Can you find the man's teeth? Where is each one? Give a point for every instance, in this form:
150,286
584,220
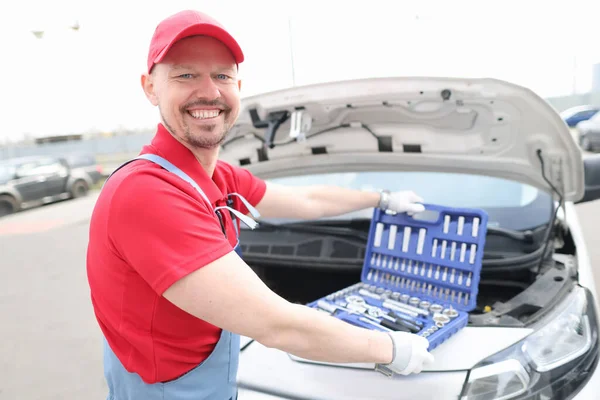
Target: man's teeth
203,114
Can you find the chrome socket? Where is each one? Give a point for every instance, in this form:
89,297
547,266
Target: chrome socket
424,305
450,312
441,318
395,296
414,301
436,308
404,298
439,324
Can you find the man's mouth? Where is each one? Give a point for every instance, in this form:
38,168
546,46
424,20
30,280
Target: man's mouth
204,114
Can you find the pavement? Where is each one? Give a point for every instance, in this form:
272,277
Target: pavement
50,344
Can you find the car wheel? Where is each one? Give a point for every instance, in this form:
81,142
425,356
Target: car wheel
79,189
8,205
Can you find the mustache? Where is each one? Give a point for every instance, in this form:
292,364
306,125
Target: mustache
212,103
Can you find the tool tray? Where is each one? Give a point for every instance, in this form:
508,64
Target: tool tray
420,273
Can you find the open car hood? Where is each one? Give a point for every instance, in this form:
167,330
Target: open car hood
480,126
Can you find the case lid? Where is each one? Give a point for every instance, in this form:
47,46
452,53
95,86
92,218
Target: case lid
435,255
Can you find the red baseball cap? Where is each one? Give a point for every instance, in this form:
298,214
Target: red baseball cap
184,24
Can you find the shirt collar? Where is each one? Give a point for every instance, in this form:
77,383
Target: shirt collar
166,146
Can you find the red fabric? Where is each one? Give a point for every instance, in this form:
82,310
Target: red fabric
150,228
184,24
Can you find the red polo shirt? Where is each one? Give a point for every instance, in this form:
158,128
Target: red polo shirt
148,229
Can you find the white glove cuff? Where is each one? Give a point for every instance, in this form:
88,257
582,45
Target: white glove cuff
402,353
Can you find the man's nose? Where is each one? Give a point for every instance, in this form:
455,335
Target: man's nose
207,88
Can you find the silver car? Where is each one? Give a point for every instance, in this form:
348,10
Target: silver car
479,143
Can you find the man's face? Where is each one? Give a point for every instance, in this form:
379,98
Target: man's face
196,90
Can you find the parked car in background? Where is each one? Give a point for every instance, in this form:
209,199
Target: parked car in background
36,180
588,133
478,143
575,115
86,162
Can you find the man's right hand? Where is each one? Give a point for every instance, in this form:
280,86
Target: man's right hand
410,353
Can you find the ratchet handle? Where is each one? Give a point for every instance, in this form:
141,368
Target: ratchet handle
394,326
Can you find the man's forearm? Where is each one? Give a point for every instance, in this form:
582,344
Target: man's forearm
329,339
328,201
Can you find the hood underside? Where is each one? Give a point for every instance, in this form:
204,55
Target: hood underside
476,126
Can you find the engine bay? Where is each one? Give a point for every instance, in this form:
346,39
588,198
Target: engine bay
305,261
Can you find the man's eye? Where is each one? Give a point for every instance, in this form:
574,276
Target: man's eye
222,76
186,76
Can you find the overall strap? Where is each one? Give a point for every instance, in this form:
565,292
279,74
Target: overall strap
173,169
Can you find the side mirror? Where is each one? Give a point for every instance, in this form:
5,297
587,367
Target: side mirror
591,169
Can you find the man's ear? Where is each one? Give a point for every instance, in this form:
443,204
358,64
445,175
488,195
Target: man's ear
240,85
147,81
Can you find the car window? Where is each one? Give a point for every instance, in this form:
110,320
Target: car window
509,204
7,172
26,169
42,166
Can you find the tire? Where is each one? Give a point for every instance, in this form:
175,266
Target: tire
8,205
79,189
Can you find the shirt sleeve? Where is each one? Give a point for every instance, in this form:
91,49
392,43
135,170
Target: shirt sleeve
251,187
161,230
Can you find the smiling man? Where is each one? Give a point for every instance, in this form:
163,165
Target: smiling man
169,289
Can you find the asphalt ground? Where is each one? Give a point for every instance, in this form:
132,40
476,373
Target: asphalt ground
50,345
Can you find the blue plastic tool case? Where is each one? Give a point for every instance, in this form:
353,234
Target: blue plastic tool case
429,262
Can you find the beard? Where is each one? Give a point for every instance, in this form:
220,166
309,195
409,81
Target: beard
204,137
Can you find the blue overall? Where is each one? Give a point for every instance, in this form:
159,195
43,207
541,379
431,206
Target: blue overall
215,377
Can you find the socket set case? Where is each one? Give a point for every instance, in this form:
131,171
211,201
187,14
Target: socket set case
420,273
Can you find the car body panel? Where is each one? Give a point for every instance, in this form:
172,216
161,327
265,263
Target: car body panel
589,131
462,350
486,126
272,371
584,267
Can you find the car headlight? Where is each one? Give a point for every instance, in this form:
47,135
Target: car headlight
552,363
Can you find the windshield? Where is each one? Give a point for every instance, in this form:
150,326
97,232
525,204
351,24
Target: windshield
509,204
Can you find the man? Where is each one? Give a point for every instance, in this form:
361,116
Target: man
169,289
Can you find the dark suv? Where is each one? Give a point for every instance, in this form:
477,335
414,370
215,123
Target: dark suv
32,181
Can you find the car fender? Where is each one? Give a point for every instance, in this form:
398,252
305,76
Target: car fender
11,191
581,127
584,266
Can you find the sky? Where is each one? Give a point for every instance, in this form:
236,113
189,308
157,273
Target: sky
89,80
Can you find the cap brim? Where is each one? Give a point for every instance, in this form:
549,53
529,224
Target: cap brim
205,30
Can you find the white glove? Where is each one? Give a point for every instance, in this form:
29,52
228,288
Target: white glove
405,201
410,353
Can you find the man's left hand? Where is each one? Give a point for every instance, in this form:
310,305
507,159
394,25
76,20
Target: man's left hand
405,201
